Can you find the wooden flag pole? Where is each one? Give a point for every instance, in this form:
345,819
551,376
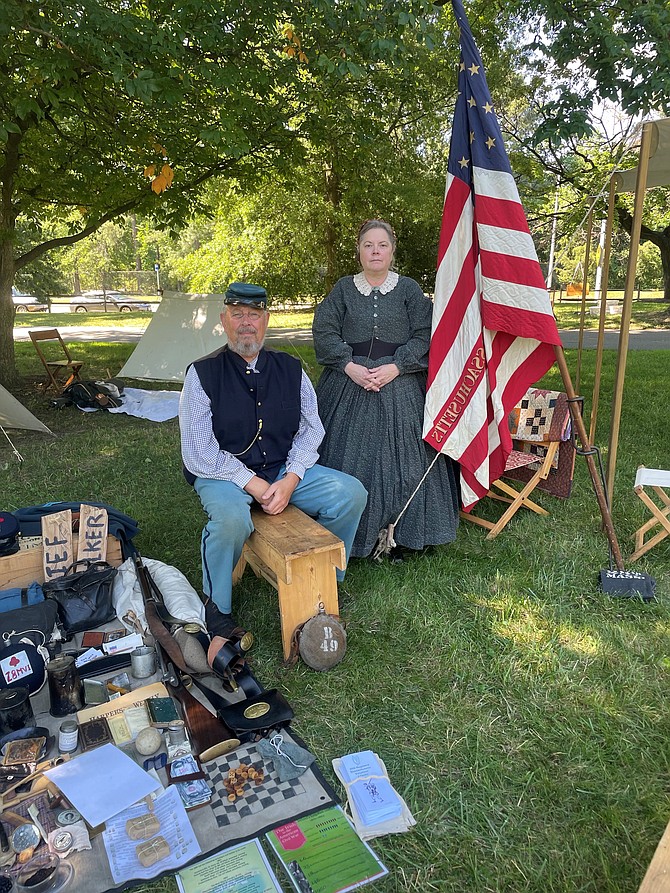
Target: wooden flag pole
603,310
589,452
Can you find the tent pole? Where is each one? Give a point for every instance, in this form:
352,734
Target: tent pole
585,287
603,309
589,452
640,188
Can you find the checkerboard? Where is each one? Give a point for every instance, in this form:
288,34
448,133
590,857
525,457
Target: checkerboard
256,798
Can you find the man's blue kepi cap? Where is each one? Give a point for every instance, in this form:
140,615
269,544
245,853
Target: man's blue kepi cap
246,293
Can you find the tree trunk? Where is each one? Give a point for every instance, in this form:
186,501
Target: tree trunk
333,196
8,371
665,262
658,237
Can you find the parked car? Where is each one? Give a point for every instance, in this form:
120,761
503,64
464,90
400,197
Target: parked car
27,303
107,300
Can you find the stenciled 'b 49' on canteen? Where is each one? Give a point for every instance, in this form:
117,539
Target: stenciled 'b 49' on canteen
323,642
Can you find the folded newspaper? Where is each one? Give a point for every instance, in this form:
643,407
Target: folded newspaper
376,807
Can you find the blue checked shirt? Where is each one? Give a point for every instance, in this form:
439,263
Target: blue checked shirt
200,450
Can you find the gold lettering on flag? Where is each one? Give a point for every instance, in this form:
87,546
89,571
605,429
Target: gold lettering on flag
459,398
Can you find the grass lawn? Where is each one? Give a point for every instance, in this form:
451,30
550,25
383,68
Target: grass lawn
522,714
644,315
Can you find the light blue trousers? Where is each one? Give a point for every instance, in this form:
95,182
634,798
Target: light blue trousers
334,499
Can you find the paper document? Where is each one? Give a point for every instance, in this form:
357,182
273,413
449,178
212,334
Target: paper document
369,787
101,783
178,846
240,869
322,853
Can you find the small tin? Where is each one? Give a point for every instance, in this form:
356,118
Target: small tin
68,736
177,732
15,710
25,837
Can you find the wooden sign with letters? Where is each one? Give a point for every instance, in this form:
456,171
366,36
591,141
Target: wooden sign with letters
92,533
57,540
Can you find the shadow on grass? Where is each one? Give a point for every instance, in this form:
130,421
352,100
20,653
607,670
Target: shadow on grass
522,714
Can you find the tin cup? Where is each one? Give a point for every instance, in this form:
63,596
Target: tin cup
143,662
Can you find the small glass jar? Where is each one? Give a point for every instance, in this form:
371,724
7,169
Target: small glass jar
68,736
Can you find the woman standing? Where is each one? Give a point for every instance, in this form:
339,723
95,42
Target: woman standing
371,335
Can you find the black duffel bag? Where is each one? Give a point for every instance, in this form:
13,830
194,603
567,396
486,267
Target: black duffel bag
84,598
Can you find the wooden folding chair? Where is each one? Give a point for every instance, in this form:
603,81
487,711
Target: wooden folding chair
58,363
543,457
658,481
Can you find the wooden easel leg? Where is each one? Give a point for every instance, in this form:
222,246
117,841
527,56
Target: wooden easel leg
578,422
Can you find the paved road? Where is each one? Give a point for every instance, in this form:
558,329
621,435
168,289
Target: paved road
639,339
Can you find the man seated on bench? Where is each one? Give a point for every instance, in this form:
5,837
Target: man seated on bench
250,431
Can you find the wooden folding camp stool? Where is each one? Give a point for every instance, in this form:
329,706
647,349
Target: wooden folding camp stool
536,469
659,481
61,369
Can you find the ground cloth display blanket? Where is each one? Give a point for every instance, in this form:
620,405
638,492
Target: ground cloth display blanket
120,857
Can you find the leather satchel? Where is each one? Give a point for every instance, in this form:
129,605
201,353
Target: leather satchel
84,598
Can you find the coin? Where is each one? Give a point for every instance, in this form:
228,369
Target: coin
62,841
68,817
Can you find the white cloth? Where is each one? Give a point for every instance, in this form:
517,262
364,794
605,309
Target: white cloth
387,285
180,598
156,406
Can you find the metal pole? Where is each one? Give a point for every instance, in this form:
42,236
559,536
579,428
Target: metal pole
552,247
585,286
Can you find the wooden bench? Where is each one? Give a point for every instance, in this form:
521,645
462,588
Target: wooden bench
299,558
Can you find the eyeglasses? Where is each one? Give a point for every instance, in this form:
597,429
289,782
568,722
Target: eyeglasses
253,315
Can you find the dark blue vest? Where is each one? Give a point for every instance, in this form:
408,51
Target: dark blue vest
255,415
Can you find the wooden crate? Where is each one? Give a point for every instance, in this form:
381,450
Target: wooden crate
27,565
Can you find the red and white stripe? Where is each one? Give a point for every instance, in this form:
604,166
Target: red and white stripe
493,327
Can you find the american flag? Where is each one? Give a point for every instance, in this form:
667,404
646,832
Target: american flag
493,327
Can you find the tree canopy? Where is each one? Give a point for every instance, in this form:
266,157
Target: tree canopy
108,108
111,107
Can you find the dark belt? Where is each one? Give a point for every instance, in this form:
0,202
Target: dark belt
374,349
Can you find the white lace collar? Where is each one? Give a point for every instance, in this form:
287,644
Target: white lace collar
387,285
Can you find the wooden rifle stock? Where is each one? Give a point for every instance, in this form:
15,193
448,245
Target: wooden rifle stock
210,737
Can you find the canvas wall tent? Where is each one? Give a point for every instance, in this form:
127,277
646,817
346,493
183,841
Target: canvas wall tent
183,328
652,170
13,414
658,170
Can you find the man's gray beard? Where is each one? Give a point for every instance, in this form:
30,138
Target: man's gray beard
250,349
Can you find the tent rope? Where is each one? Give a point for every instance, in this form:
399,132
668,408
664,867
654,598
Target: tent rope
14,450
